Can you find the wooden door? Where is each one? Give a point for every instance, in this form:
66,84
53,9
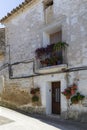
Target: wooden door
56,98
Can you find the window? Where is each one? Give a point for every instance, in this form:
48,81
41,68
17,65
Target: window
56,37
48,3
48,11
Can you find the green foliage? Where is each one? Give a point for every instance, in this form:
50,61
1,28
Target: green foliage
51,54
70,91
35,98
76,98
34,90
59,46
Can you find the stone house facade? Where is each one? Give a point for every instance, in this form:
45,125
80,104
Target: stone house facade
36,24
2,52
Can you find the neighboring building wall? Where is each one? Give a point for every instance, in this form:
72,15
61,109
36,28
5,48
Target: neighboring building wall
2,36
2,55
29,30
2,43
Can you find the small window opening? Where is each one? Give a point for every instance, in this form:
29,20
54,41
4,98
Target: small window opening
48,3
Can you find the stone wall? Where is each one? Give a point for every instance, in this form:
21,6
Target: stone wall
28,30
71,15
2,56
77,111
2,35
2,43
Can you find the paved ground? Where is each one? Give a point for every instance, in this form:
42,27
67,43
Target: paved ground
11,120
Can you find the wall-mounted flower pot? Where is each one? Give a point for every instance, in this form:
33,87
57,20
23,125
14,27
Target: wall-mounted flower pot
75,102
68,96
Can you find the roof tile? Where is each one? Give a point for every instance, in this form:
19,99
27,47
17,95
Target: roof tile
15,9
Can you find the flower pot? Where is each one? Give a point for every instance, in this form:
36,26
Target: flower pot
74,86
32,92
72,91
68,96
75,102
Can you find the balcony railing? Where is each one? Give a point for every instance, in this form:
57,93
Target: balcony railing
51,55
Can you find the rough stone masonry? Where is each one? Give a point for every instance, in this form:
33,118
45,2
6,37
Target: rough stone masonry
29,28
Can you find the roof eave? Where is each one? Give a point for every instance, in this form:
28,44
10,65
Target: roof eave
14,11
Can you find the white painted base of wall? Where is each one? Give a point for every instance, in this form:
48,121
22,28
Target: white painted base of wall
44,82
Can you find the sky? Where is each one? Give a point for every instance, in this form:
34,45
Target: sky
7,5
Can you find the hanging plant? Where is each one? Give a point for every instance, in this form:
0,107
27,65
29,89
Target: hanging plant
49,48
76,98
34,90
35,98
70,91
59,46
40,52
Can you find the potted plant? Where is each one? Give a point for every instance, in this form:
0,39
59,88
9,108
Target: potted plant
49,48
37,89
59,46
52,60
45,62
35,95
35,98
40,52
76,98
67,92
34,90
73,89
58,50
51,54
70,91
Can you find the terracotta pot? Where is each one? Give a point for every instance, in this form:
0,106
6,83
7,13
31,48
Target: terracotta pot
74,86
68,96
75,102
72,91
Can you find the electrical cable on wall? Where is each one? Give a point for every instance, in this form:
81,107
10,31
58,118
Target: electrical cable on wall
9,65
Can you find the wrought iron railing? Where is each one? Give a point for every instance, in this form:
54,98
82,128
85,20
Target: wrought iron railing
54,54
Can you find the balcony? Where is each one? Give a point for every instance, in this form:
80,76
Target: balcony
51,58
